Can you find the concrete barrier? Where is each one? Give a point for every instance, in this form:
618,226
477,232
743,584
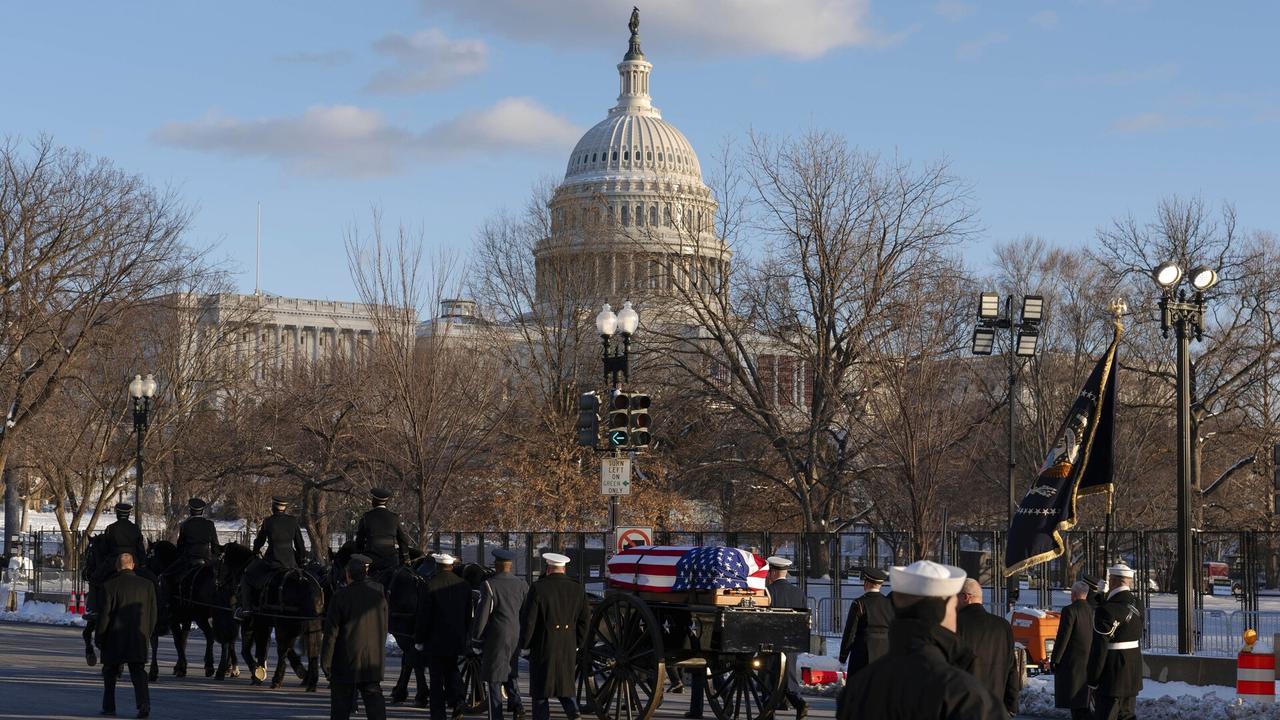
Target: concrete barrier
1190,669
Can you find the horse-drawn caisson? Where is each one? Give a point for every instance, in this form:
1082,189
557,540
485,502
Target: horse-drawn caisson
699,608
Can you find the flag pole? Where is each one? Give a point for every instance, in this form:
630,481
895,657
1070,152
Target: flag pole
1118,308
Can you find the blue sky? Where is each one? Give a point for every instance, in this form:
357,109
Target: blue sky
1062,115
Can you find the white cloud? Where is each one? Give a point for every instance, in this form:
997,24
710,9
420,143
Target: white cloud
801,29
426,61
953,10
1046,19
349,141
976,48
1142,122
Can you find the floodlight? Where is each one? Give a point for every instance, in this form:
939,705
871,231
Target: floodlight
1167,276
1032,308
1027,340
1203,278
984,339
988,306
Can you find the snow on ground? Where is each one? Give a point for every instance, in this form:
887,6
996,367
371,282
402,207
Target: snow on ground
43,613
48,522
1160,701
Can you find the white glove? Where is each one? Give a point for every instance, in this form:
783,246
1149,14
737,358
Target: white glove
419,647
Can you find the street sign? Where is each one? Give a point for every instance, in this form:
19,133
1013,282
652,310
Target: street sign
632,537
615,476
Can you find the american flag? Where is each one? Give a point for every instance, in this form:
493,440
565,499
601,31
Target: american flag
665,568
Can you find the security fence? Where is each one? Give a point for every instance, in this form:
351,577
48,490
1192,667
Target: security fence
1237,573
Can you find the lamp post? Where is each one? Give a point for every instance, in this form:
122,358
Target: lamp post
1024,337
1185,316
141,390
608,324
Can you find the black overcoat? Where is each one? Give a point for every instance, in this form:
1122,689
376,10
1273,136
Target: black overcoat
782,594
1071,655
445,616
866,630
126,618
1117,672
282,533
554,625
380,536
919,679
198,539
994,665
123,536
355,638
497,624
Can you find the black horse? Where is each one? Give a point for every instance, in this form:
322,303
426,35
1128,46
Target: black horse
95,569
192,594
406,591
292,605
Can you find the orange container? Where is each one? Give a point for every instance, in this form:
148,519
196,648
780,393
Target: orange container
1035,630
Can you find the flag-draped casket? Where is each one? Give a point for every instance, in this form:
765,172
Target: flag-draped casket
672,569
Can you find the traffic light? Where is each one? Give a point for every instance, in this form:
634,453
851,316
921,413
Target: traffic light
638,420
588,419
618,434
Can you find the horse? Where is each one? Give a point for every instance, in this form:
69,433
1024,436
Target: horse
292,604
406,588
191,591
95,570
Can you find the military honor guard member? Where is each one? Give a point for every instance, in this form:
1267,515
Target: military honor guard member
121,536
921,676
554,626
991,639
1070,659
783,594
497,632
442,633
380,536
866,626
281,533
355,644
1115,659
126,619
198,536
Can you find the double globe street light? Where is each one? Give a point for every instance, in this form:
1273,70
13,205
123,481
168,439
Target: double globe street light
141,390
1185,316
623,323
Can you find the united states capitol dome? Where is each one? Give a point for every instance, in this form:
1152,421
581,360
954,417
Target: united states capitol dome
632,218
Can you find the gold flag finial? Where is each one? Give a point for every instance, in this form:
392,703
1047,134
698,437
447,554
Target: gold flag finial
1119,308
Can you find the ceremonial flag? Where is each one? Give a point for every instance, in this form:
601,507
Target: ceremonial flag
1080,463
665,568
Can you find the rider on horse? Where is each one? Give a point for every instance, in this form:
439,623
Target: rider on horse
285,550
120,536
198,536
380,537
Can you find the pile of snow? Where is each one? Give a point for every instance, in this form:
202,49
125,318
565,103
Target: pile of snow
1160,701
43,613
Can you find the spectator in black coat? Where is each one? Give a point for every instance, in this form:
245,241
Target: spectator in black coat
1070,660
442,633
922,675
126,619
355,644
990,637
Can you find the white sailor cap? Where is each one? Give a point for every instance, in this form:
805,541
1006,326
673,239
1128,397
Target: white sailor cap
444,558
927,579
1120,570
778,563
555,559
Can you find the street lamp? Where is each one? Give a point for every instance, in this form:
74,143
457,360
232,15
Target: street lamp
623,323
141,390
1186,317
1024,339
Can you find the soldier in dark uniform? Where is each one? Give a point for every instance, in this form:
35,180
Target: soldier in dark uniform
198,536
1115,660
1070,660
920,677
355,644
120,536
497,631
782,594
282,534
866,628
379,535
442,634
554,626
991,638
127,617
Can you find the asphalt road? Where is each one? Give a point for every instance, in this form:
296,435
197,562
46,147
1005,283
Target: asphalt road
43,675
